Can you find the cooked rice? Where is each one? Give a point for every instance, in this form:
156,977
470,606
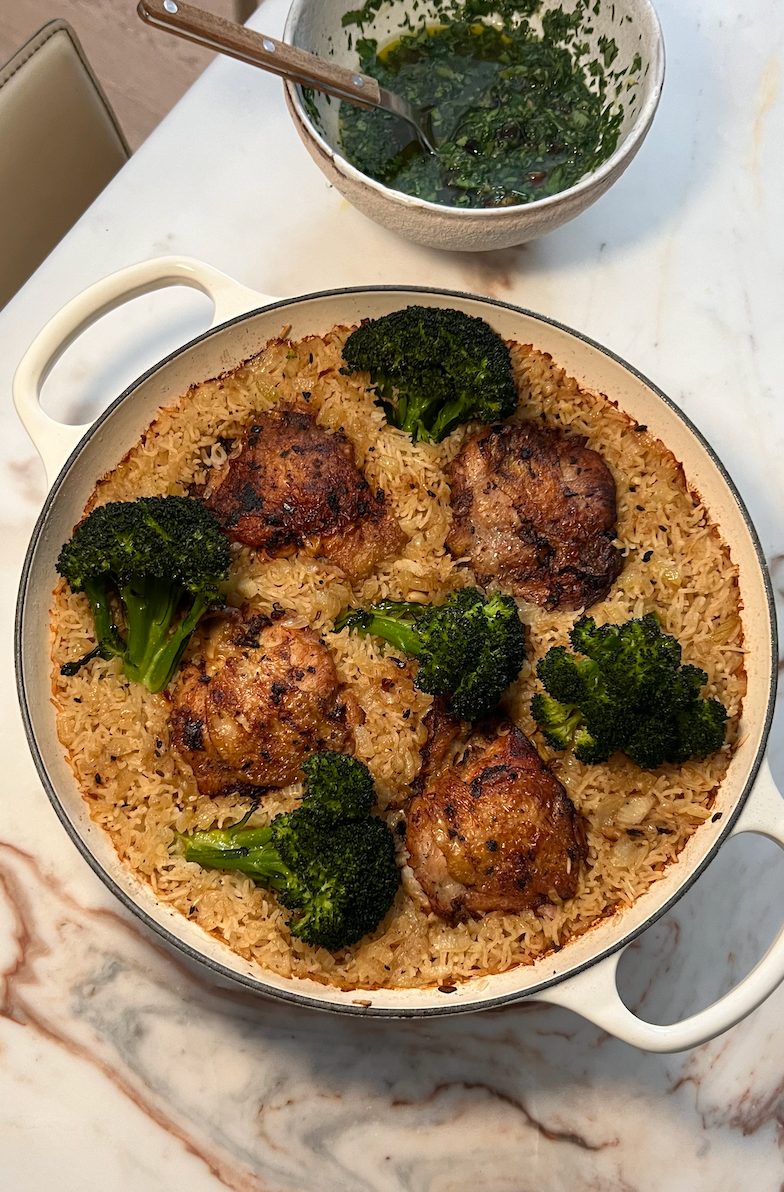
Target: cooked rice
116,733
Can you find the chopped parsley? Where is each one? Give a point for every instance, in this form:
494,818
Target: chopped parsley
515,116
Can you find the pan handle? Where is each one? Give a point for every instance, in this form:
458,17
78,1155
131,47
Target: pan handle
594,994
55,441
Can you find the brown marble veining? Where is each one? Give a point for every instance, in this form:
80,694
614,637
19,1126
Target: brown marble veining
271,1098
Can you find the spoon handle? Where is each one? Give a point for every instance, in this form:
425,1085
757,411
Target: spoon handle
215,33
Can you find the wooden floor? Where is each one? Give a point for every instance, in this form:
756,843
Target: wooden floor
143,71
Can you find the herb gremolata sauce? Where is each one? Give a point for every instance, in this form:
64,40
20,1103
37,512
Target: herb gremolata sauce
512,116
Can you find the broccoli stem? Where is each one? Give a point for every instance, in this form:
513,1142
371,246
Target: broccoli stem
571,721
397,633
450,416
97,592
247,849
153,650
558,721
413,414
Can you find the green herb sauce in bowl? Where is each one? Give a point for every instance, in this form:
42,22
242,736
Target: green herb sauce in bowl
537,108
512,115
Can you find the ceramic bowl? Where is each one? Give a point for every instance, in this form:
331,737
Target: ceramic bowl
315,25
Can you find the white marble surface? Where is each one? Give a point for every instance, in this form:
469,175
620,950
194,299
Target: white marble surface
119,1069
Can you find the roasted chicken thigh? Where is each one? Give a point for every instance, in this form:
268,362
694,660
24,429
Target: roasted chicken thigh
294,486
492,829
264,698
534,509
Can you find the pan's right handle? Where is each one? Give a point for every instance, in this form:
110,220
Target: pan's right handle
594,993
55,441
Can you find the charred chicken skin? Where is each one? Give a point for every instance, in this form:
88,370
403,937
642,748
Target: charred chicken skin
493,830
294,486
534,509
264,698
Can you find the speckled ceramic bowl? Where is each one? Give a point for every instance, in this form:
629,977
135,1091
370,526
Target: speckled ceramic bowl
315,25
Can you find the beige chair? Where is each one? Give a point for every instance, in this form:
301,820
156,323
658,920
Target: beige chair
60,144
243,9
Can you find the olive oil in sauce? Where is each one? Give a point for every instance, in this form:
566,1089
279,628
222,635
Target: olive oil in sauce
512,116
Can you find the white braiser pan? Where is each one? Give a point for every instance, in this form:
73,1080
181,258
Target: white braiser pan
582,975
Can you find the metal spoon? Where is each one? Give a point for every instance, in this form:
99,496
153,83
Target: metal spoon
226,37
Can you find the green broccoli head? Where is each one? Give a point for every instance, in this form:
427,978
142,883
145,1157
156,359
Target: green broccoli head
330,860
470,648
629,693
578,703
435,369
700,727
498,647
348,871
164,559
338,787
635,658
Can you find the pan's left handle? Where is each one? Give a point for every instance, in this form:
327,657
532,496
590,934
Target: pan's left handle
55,441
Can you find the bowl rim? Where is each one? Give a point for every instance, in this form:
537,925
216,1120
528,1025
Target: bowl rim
593,180
257,984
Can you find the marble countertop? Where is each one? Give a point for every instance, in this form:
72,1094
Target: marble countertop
118,1067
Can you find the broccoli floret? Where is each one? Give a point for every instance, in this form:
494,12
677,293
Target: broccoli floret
338,787
629,693
330,860
699,728
434,369
163,557
559,722
469,647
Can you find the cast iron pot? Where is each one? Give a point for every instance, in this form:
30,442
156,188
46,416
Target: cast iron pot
582,975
